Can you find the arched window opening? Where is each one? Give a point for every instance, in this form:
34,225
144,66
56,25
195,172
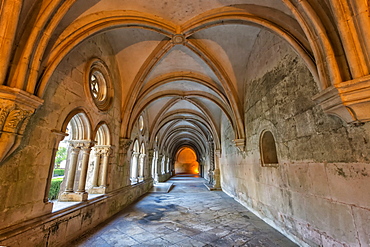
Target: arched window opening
76,166
141,123
98,168
186,161
142,163
163,164
268,149
134,163
60,161
155,166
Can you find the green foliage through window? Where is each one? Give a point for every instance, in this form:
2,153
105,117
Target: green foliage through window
54,188
60,156
58,172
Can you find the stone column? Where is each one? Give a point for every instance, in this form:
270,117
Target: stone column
168,165
81,195
97,155
86,149
123,163
211,170
141,167
133,171
105,153
217,175
155,167
150,167
159,168
163,163
75,150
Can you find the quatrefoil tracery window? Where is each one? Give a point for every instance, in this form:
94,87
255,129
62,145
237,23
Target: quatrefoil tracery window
94,86
98,86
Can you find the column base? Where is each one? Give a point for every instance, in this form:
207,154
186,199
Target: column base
133,180
97,190
211,187
216,179
73,197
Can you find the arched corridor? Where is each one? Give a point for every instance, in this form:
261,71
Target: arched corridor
189,215
104,101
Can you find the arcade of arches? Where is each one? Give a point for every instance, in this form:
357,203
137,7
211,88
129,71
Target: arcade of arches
268,99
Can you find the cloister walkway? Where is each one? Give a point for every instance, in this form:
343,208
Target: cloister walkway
189,215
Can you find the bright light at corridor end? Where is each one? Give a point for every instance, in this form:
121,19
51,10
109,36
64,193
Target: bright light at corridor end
186,161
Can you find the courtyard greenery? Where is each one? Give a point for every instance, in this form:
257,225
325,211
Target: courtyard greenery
58,172
54,188
60,156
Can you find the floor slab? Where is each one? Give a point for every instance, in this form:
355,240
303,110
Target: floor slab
189,215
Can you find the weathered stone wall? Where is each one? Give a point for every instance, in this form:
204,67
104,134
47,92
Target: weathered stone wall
318,195
57,229
24,175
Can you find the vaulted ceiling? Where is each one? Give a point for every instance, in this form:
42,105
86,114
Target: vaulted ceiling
182,63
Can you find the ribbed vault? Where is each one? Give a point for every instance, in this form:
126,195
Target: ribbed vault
184,69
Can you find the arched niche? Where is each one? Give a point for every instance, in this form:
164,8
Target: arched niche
142,162
268,149
134,162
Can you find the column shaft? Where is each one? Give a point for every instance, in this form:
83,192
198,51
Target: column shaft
105,170
96,169
84,166
72,169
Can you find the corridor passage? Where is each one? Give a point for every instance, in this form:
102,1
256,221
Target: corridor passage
189,215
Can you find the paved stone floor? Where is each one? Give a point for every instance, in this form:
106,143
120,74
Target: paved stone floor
189,215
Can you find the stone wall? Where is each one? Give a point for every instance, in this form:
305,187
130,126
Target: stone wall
25,219
318,195
57,229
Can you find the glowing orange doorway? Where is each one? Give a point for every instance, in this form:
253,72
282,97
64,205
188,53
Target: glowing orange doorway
186,161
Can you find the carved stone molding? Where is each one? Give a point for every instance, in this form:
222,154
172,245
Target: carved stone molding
16,108
150,154
124,145
82,144
103,149
178,39
240,144
348,100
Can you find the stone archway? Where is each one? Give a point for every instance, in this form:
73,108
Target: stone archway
186,161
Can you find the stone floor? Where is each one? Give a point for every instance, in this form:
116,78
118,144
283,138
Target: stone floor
189,215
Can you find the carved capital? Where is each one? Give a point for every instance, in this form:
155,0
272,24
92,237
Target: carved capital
16,108
150,153
97,151
348,100
104,149
82,144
